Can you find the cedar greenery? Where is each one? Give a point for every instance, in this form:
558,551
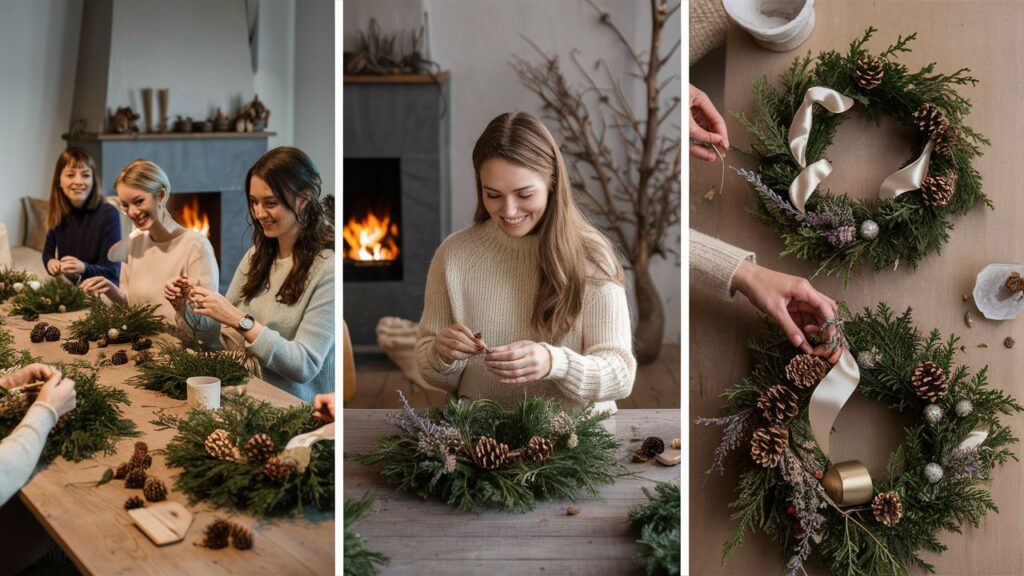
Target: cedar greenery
359,560
241,485
659,524
167,371
130,320
516,486
852,541
48,299
908,229
8,278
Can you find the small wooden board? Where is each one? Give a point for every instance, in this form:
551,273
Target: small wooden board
164,523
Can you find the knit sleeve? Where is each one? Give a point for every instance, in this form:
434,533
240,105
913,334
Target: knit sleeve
201,268
50,247
713,263
110,234
20,450
606,368
437,315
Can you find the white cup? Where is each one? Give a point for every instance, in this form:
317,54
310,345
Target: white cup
203,392
778,25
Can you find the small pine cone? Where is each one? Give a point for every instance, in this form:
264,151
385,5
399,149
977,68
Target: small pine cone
141,460
806,370
489,453
220,446
767,445
538,449
38,334
142,343
652,446
929,382
241,537
640,455
277,471
143,357
259,448
937,190
119,357
217,534
154,490
944,142
888,508
778,404
102,342
1015,282
133,503
141,446
868,72
453,443
122,471
931,121
136,478
78,347
52,334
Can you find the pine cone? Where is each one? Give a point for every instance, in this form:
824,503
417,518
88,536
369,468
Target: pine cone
276,470
119,357
1015,282
102,342
929,382
241,537
141,446
52,334
868,72
154,489
219,445
944,142
931,121
136,478
888,508
142,343
38,333
140,460
14,405
216,534
806,370
778,404
134,502
259,448
538,449
78,347
143,357
489,453
767,445
453,443
652,446
640,455
122,471
937,190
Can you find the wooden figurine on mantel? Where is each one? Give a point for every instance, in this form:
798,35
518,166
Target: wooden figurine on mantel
254,117
124,121
221,122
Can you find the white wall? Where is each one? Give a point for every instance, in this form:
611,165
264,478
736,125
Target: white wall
314,85
275,73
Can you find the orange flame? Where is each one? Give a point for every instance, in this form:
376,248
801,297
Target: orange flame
372,238
194,219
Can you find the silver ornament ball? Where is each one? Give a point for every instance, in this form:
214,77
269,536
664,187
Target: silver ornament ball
62,308
18,286
869,229
933,472
933,414
963,408
112,334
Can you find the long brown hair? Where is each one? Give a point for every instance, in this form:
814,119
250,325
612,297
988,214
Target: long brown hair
290,174
60,206
572,251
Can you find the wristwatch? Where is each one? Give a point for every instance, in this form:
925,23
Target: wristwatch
246,323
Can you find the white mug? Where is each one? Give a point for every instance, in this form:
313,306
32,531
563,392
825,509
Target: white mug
203,392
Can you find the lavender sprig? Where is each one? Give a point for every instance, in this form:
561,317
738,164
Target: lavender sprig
736,430
962,465
770,195
411,423
807,499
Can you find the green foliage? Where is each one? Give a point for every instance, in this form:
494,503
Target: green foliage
359,560
241,485
908,229
172,366
659,523
130,320
8,278
48,299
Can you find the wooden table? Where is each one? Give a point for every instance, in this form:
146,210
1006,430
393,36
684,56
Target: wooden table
90,522
984,37
428,537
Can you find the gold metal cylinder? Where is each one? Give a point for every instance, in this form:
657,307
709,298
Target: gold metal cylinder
848,483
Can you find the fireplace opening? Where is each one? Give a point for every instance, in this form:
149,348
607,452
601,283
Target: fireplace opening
373,220
199,211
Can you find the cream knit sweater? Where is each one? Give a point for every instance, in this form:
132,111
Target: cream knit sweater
487,280
713,263
20,450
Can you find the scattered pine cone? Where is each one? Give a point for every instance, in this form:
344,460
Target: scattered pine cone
538,449
767,445
778,404
38,333
259,448
118,358
806,370
888,508
217,534
78,347
640,455
938,190
1015,282
143,357
133,503
868,72
102,342
929,382
142,343
140,460
154,489
219,445
241,537
931,121
489,453
276,470
141,446
52,334
652,446
122,471
136,478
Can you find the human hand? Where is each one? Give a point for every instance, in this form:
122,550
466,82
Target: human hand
323,407
213,304
72,265
98,285
519,362
457,342
27,375
706,126
178,290
53,266
59,393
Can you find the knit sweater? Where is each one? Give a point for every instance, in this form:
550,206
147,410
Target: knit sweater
295,349
488,281
713,264
88,236
20,450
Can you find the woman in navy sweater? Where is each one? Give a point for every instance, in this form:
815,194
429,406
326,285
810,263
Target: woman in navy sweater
82,226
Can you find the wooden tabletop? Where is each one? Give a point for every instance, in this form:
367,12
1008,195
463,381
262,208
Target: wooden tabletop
95,531
984,37
429,537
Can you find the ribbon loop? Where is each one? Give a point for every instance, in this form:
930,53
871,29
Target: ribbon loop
909,177
800,128
831,395
804,185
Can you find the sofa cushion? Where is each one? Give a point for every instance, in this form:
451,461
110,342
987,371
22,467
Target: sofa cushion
35,222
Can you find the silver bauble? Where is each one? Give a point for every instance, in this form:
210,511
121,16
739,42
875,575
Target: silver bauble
62,308
933,472
34,284
869,229
933,414
964,407
18,286
113,334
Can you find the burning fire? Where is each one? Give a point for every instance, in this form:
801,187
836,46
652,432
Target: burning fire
194,219
372,238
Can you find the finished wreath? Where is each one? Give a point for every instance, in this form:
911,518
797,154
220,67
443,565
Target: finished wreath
934,481
790,136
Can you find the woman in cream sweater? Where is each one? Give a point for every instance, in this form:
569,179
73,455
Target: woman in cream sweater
530,299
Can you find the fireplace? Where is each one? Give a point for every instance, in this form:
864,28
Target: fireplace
372,216
199,211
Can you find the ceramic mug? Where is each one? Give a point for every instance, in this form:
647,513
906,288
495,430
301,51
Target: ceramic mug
777,25
203,392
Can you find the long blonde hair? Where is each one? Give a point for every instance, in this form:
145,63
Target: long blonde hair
572,251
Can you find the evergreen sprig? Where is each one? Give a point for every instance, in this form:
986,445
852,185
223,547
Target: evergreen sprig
359,559
241,484
852,541
130,320
908,229
659,524
48,299
412,467
168,371
8,278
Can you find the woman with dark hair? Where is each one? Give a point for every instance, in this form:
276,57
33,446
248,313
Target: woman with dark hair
281,298
82,226
532,294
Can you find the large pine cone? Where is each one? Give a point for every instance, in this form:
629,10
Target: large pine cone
929,382
219,445
868,72
767,445
52,334
136,478
538,449
217,533
1015,282
489,453
938,190
259,448
276,470
154,490
778,404
888,508
931,121
76,347
806,370
119,357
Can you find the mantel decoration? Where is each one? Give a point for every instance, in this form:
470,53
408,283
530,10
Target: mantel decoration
359,559
12,281
936,480
55,296
117,323
659,524
167,371
239,457
481,455
381,54
789,139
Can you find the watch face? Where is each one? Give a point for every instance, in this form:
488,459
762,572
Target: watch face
246,322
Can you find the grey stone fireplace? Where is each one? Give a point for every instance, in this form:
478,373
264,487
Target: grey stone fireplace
396,142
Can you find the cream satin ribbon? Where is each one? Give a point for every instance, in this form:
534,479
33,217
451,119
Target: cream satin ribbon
909,177
974,438
800,128
299,449
831,395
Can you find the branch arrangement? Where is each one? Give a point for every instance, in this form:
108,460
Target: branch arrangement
169,369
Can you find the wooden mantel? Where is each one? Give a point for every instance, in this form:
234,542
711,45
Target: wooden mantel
167,135
396,78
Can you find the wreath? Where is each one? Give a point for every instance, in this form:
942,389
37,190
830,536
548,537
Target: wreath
55,296
936,480
168,371
13,281
789,139
481,455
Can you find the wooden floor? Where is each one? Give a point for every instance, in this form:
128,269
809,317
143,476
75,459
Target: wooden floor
378,379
